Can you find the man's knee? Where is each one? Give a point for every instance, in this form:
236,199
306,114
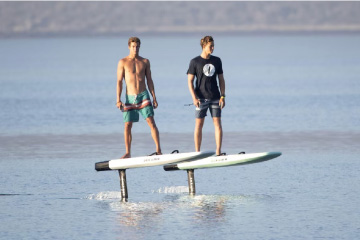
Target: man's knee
217,121
199,123
128,125
151,122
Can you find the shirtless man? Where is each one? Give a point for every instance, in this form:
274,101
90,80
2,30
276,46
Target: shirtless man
135,69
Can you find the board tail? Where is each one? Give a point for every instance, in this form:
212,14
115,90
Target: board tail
102,166
171,167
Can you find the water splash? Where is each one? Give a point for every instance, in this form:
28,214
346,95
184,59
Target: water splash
172,189
104,196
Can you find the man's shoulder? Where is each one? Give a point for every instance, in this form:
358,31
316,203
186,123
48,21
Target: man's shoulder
195,59
123,60
145,60
215,58
121,63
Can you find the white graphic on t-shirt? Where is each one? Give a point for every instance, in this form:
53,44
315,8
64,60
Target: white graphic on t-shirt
209,70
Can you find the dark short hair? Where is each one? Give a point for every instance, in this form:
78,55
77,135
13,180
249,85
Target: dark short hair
134,39
205,40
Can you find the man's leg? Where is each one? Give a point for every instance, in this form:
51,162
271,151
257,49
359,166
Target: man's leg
199,123
127,138
154,133
218,134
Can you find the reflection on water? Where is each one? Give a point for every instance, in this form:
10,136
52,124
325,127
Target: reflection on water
209,208
144,214
200,209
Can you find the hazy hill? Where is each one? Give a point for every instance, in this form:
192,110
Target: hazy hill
101,18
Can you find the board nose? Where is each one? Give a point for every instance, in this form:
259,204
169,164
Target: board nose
276,154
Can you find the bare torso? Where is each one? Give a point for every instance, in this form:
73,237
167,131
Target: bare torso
134,73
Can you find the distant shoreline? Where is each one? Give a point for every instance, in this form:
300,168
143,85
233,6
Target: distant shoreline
179,33
127,18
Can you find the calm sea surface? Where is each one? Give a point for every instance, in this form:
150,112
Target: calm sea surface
297,94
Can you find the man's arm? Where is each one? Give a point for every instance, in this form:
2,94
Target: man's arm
192,90
150,83
222,90
119,85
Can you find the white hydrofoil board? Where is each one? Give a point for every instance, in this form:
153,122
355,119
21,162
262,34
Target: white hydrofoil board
149,161
223,161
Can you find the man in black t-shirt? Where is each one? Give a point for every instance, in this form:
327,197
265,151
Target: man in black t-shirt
206,94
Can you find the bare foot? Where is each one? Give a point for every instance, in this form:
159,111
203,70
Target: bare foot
155,153
127,155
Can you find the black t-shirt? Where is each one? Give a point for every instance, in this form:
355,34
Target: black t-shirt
206,70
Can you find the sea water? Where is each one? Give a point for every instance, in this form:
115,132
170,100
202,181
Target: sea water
297,94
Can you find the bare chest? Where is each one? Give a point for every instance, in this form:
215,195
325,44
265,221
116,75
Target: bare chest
135,67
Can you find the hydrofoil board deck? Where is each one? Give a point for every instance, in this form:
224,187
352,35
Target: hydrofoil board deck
223,161
149,161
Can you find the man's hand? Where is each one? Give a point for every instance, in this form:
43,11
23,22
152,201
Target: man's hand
119,105
222,103
155,104
196,102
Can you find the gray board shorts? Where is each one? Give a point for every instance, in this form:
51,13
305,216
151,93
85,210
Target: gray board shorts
205,104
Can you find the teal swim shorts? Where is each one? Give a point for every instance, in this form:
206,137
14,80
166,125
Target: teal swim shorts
135,104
